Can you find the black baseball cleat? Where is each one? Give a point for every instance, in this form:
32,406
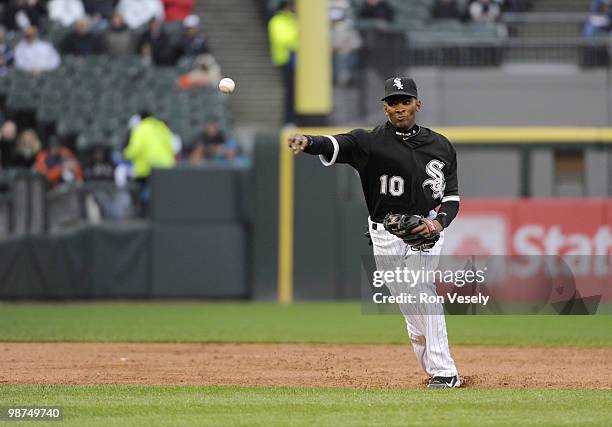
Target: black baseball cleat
444,382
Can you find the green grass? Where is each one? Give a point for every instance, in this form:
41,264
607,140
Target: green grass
269,322
308,322
163,406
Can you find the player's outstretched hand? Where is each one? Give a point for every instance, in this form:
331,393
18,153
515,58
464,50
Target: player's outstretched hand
297,143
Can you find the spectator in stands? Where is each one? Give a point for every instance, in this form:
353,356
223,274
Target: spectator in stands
446,9
100,9
193,41
150,146
81,41
213,146
35,55
119,39
346,42
7,55
176,10
137,13
283,33
59,165
598,22
377,9
8,144
66,12
206,73
154,45
99,165
28,147
112,201
22,14
484,11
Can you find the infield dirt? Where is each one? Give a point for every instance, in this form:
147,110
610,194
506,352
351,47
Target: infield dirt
307,365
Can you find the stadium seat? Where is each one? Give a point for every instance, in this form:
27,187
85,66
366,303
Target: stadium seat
483,28
48,113
446,25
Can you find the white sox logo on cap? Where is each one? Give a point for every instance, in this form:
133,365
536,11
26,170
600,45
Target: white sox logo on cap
400,86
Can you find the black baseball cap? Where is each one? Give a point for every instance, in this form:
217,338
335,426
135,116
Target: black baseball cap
400,86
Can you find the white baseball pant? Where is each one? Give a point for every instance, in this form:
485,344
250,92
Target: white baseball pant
425,322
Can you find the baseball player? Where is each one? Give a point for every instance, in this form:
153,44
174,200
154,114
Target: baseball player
406,172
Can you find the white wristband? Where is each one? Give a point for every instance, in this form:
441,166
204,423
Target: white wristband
334,156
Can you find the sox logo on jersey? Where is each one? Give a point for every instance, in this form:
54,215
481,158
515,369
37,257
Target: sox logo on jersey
437,182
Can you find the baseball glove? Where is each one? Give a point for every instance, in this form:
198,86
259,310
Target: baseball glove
401,225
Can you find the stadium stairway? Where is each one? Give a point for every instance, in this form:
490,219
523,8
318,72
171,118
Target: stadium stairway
550,21
346,105
238,39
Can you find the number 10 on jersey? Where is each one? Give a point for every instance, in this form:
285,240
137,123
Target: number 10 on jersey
394,185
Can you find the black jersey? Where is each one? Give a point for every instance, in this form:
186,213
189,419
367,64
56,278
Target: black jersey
400,173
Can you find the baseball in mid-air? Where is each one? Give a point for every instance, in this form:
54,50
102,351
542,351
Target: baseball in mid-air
227,85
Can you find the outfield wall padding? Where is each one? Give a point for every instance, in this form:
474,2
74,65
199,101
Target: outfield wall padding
264,210
199,237
197,195
87,262
199,261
